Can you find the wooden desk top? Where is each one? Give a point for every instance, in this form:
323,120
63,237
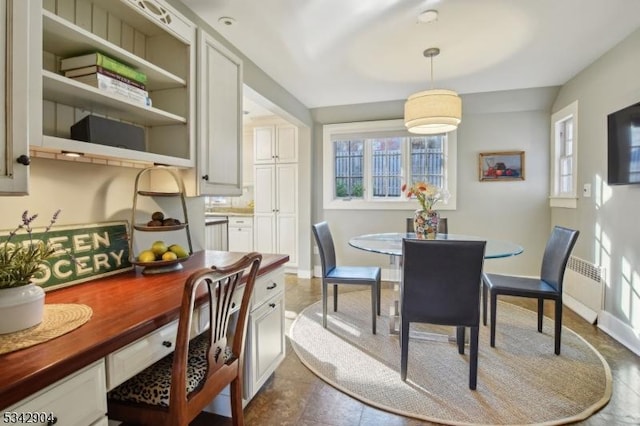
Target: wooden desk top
125,307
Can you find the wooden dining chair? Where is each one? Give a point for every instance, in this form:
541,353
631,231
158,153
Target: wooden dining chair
334,274
440,280
174,390
546,287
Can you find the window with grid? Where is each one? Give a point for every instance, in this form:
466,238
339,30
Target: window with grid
367,164
564,141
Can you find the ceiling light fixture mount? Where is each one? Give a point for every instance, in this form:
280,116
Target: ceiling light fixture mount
435,110
428,16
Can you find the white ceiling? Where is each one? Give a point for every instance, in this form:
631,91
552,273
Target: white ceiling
340,52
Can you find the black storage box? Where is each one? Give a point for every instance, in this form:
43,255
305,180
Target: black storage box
108,132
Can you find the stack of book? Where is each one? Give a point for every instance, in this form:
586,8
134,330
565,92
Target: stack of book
105,73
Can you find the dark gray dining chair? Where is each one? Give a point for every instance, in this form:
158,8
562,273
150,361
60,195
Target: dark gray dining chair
334,274
440,285
548,286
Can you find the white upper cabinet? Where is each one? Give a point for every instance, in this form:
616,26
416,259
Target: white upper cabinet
20,90
149,36
219,119
275,144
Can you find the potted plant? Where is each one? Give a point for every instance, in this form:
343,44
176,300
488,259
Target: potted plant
22,301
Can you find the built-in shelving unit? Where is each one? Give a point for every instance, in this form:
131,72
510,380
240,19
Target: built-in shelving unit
149,36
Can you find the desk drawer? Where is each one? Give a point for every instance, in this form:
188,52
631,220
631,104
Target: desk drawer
135,357
77,400
267,286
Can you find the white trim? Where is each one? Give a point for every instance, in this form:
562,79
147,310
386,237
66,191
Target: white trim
557,199
329,202
620,331
563,202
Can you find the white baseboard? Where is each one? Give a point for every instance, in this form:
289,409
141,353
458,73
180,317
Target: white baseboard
620,331
580,309
304,273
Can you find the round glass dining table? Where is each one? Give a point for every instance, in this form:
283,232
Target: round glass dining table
391,243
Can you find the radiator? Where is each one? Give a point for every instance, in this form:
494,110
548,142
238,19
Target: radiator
583,290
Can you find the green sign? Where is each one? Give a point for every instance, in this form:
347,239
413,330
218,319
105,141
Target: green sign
83,253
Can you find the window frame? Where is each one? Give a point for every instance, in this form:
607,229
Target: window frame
557,198
368,202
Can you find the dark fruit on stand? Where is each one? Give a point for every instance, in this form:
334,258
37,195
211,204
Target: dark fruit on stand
154,223
159,216
170,222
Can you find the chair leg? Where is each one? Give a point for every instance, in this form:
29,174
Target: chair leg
404,348
558,324
484,303
473,358
460,334
335,298
237,416
494,303
374,307
540,313
324,304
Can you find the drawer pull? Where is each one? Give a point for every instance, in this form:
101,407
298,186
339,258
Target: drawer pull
272,305
52,422
271,287
167,344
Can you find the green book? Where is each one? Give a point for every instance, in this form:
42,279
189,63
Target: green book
105,62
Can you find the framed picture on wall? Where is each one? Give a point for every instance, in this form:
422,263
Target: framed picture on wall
501,166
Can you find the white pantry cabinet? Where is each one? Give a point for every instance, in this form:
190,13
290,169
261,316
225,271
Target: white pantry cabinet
275,213
220,119
275,144
20,90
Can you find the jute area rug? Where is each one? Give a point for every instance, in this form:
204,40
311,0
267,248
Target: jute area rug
520,381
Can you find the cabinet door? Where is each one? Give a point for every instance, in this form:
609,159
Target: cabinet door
20,90
287,144
264,233
264,190
241,239
263,144
267,340
220,119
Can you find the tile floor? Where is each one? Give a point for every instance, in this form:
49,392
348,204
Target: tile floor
295,396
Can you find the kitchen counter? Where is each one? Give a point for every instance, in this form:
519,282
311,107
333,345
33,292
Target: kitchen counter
125,308
229,211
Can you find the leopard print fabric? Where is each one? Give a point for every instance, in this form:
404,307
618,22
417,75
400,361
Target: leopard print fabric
152,385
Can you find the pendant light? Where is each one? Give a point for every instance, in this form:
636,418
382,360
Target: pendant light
432,111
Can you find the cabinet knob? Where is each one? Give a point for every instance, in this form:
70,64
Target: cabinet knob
53,421
167,344
24,160
206,177
272,305
271,287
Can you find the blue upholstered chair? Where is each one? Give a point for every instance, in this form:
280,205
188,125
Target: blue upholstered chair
334,274
547,286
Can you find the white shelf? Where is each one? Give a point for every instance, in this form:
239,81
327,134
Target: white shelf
66,39
55,144
67,91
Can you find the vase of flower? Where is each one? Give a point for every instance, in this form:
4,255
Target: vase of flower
21,261
425,219
425,224
21,307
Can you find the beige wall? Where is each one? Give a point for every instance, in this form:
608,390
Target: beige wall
608,221
516,211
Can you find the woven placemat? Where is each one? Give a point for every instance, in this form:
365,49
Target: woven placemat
58,319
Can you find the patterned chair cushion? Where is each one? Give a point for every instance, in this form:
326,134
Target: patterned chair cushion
152,385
